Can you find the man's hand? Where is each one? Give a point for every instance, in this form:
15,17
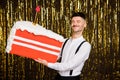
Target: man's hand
44,62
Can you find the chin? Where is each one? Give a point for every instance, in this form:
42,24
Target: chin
77,31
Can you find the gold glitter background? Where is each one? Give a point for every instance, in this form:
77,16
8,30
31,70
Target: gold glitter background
103,32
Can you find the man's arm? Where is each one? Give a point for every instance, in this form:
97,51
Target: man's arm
79,58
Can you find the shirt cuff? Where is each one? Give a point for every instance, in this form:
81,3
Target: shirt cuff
50,65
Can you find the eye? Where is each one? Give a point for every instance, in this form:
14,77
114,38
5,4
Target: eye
78,21
72,21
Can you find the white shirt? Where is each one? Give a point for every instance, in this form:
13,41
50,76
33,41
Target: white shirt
70,60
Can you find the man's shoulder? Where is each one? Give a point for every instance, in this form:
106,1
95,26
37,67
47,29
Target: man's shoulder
87,43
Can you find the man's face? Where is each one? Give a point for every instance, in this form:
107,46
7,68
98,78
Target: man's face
78,24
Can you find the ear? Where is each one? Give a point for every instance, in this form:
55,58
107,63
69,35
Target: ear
85,24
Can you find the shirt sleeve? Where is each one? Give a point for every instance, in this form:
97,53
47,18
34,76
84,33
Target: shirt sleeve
79,58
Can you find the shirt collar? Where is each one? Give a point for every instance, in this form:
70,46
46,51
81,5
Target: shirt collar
77,39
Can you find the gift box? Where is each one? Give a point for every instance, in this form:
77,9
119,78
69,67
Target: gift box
34,41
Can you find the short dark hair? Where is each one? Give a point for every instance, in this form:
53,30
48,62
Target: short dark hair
81,14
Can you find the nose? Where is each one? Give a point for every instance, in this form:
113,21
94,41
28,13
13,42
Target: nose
74,23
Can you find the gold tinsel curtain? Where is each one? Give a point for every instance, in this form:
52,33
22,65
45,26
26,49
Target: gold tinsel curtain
103,18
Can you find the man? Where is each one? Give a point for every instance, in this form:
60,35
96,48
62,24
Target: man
72,62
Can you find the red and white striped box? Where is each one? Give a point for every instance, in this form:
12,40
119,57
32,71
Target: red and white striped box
34,41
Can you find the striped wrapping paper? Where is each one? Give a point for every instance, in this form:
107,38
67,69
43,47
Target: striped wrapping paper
34,41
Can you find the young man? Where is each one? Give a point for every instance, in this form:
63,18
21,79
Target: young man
74,52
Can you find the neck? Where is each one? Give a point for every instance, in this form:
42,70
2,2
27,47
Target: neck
76,35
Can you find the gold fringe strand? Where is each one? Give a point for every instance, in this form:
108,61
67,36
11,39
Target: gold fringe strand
102,32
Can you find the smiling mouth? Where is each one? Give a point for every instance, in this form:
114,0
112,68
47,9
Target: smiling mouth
74,26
